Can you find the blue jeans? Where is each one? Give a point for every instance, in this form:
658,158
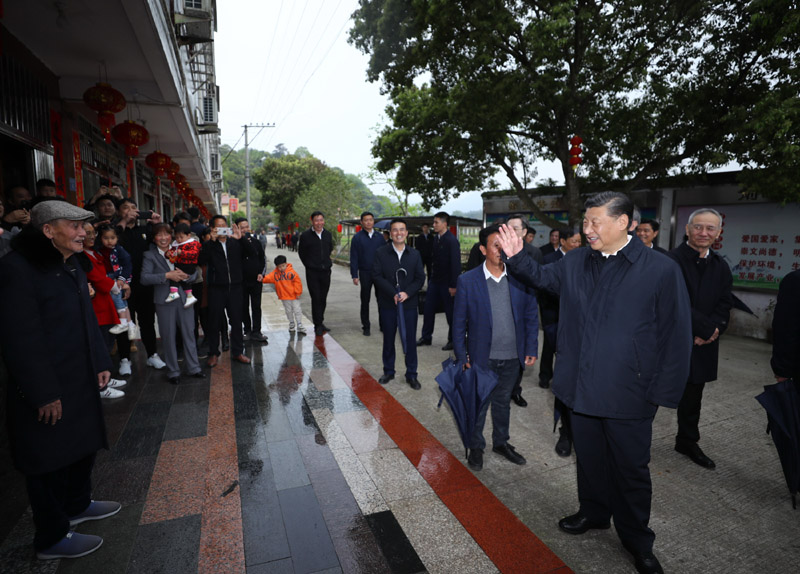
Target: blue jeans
507,372
119,302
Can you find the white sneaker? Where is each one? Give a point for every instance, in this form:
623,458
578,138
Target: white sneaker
116,383
110,393
173,295
301,330
124,367
118,329
291,327
133,331
190,300
155,361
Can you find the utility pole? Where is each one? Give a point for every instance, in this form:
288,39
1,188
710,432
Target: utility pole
247,161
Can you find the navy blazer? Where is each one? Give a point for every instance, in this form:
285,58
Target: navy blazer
472,314
362,251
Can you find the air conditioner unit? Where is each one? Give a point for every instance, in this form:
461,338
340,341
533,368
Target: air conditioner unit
209,110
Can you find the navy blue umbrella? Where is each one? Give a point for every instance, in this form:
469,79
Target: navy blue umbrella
467,392
401,318
383,224
782,403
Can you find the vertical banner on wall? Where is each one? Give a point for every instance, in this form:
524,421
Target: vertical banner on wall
76,156
56,137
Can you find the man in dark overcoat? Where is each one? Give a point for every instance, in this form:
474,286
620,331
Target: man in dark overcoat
316,246
57,360
398,275
786,330
424,244
624,343
709,281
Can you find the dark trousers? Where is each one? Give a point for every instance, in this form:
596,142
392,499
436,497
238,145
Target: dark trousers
220,299
689,414
438,293
141,307
57,495
251,301
428,266
389,323
565,416
500,400
366,284
318,282
613,474
548,352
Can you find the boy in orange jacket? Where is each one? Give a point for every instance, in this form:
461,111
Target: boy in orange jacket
288,287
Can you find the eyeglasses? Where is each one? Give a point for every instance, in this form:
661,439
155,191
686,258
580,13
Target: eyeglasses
710,228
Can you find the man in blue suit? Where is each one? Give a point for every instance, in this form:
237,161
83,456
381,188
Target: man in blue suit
362,254
500,317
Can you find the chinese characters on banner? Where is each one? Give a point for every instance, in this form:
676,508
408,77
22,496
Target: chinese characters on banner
76,156
759,241
58,153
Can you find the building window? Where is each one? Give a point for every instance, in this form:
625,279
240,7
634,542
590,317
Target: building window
194,4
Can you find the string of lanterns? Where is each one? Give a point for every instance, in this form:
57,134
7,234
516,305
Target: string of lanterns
575,152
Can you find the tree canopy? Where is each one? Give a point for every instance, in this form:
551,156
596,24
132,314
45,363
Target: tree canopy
652,88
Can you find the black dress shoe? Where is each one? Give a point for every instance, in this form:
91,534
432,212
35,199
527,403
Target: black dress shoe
694,452
414,384
318,331
198,375
366,332
544,384
422,342
578,524
324,328
647,563
510,453
448,346
258,336
173,380
564,444
475,458
385,379
226,347
519,401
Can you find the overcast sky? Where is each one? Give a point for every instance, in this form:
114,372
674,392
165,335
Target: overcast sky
288,62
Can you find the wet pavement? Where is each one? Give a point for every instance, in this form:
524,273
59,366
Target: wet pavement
302,462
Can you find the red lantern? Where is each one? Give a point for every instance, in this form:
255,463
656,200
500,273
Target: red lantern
173,169
339,228
131,135
106,101
575,152
574,161
158,162
576,140
358,228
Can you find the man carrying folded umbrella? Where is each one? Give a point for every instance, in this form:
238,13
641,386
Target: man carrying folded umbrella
495,326
398,276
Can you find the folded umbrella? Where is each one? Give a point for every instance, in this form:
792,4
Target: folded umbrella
401,318
782,403
466,391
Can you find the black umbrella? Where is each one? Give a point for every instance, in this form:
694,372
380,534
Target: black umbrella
782,403
742,306
383,224
466,391
401,318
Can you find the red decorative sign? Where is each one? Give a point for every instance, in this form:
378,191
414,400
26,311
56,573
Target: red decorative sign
76,158
233,204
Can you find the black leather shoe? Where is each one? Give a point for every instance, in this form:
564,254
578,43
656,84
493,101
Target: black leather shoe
510,453
519,401
475,458
414,384
647,563
258,336
385,379
422,342
318,331
173,380
694,452
324,328
544,384
226,347
564,444
366,331
578,524
198,375
448,346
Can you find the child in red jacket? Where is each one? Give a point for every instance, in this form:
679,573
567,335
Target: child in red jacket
183,253
289,288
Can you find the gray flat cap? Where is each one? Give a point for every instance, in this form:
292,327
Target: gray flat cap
48,211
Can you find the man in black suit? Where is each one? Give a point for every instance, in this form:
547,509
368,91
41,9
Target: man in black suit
424,244
647,231
316,246
253,265
709,281
554,242
398,277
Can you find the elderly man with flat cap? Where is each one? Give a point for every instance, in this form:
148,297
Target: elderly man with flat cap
57,360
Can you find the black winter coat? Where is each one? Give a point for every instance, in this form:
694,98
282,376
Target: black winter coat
711,301
53,349
786,329
315,253
222,270
255,260
624,330
385,275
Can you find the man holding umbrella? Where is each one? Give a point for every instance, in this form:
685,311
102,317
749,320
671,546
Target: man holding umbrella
495,326
398,276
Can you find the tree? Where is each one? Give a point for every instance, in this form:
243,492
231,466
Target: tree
652,88
333,194
283,180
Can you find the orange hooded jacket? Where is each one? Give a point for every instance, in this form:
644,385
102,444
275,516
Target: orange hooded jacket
287,283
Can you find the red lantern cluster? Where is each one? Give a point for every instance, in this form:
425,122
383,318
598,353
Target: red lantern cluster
106,101
575,152
131,135
158,162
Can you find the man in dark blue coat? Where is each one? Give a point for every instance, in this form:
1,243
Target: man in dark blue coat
709,282
362,255
495,327
624,344
57,361
398,275
442,282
